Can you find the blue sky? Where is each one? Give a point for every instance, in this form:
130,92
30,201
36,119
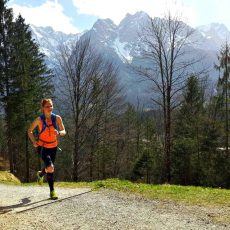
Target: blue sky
72,16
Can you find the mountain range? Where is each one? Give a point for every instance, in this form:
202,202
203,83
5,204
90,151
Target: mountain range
121,43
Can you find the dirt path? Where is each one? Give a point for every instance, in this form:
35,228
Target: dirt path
102,209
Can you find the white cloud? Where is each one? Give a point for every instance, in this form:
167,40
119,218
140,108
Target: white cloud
117,9
48,14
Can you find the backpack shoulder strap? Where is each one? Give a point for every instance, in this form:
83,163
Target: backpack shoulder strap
53,118
43,122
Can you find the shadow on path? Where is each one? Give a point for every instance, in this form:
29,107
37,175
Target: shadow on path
25,202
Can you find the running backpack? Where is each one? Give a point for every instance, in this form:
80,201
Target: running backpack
44,125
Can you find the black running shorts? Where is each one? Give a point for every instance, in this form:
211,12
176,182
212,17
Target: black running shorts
47,155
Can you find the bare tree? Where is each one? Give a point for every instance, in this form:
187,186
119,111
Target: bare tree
166,53
88,83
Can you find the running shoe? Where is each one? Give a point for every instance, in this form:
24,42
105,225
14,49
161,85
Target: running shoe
53,195
40,179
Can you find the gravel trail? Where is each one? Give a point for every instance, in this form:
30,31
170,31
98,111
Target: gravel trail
104,209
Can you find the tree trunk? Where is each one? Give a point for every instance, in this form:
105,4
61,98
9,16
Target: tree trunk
9,145
226,111
91,163
76,157
27,160
168,139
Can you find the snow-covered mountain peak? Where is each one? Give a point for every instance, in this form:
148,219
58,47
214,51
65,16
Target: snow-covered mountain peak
104,25
49,39
139,17
131,25
215,31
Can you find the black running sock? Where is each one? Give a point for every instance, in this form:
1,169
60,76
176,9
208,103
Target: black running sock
42,173
50,179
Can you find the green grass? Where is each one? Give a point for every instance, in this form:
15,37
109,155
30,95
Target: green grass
8,178
77,185
186,194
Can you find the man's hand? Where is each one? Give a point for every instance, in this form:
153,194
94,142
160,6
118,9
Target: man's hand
56,132
62,133
35,144
60,126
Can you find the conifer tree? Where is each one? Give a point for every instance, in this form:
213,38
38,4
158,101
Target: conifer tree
186,157
31,82
24,80
6,30
223,89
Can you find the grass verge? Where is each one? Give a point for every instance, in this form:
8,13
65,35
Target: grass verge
193,195
187,194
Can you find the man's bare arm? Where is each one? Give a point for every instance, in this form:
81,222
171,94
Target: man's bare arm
30,131
60,124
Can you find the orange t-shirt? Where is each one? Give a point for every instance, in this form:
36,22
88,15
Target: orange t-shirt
47,138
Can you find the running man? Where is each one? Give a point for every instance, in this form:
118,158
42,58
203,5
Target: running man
47,123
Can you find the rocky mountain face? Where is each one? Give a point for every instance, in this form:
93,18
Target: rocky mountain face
215,33
49,40
121,44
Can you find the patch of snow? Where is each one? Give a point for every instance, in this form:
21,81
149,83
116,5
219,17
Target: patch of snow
36,33
122,52
203,33
45,51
